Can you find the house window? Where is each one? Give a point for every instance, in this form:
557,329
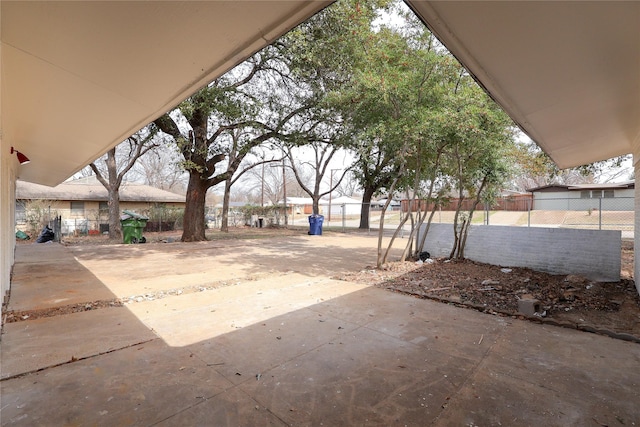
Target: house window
21,213
103,210
596,194
77,208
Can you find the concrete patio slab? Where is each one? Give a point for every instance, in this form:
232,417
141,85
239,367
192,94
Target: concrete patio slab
361,378
229,408
41,343
296,348
554,376
47,275
140,385
172,265
230,308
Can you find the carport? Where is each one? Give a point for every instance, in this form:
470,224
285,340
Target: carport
76,81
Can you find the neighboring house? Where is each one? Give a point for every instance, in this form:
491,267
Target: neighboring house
609,197
304,206
343,205
300,205
83,203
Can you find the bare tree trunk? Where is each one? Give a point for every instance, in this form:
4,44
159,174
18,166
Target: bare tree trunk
194,227
383,257
407,249
456,231
112,184
115,227
465,231
463,238
366,208
114,178
224,227
393,238
423,237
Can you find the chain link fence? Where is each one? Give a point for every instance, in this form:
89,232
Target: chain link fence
596,214
92,222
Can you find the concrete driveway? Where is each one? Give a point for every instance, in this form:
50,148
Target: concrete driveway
251,333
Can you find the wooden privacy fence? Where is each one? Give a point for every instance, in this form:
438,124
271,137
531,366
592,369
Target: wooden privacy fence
520,202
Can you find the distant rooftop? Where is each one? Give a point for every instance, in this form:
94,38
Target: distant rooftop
89,189
578,187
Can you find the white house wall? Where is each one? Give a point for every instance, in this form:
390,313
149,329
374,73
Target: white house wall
636,235
338,209
8,167
8,164
623,200
551,201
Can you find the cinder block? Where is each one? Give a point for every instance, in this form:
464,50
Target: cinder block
528,307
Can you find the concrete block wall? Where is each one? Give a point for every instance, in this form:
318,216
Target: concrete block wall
594,254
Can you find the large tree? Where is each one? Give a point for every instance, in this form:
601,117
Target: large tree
318,166
420,122
111,169
248,98
383,85
328,52
481,140
242,144
161,169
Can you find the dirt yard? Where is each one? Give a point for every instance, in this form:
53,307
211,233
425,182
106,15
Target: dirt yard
572,301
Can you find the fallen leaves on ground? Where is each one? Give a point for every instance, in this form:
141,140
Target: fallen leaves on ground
569,299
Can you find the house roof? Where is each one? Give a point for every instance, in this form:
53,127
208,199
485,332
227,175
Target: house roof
233,204
565,71
345,200
299,200
129,192
579,187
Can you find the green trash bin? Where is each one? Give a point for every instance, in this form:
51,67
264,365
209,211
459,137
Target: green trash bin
132,226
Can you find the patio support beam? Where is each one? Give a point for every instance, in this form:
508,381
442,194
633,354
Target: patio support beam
636,219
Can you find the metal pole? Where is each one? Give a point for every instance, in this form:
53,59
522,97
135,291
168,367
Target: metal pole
284,188
331,191
600,213
330,188
262,189
529,213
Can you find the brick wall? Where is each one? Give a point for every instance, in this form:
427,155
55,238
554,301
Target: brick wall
594,254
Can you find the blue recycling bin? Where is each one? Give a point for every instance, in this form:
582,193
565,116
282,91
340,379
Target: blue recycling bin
315,225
